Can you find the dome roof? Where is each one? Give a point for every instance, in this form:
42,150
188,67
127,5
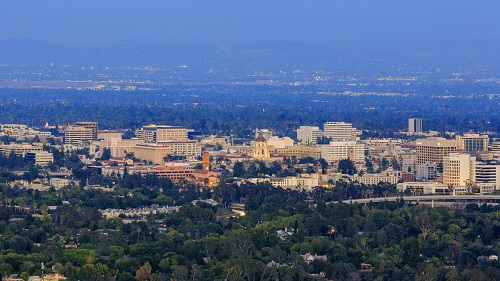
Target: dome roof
260,139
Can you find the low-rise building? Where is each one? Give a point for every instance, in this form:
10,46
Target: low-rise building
42,158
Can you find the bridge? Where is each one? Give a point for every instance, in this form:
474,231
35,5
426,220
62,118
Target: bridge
432,199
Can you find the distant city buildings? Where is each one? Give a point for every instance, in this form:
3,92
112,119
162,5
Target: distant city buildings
77,134
458,169
161,133
339,131
338,150
93,126
309,134
433,150
472,143
415,126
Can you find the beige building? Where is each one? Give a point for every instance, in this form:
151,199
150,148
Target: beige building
303,181
76,134
188,148
300,151
170,133
276,142
104,135
59,183
118,146
42,158
18,149
151,152
458,169
389,176
433,150
161,133
472,142
89,125
338,150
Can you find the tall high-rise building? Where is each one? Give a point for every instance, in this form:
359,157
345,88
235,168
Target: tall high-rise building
472,142
309,134
205,161
339,131
414,125
93,126
458,168
433,150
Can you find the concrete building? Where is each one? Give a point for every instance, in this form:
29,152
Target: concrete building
339,131
389,176
266,133
276,142
338,150
42,158
107,134
309,134
472,142
171,134
458,169
147,133
187,148
495,146
151,152
415,125
299,151
433,150
117,146
93,126
303,181
425,171
418,188
18,149
59,183
488,174
76,134
161,133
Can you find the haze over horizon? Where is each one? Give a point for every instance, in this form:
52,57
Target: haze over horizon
95,21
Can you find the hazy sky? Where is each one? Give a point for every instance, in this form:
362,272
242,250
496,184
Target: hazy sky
68,21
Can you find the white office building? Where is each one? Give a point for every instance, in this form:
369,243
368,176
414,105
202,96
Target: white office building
339,131
309,134
338,150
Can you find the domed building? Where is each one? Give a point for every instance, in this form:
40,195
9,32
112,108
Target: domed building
260,149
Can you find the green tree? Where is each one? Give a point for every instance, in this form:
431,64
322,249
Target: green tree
346,166
239,169
106,154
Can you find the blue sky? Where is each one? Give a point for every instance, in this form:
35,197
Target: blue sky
67,21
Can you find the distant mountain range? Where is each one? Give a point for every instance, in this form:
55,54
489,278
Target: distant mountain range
330,56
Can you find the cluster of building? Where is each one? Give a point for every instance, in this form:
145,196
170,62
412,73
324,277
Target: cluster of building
465,163
453,166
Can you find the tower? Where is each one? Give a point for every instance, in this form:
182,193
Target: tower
205,161
415,125
260,149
